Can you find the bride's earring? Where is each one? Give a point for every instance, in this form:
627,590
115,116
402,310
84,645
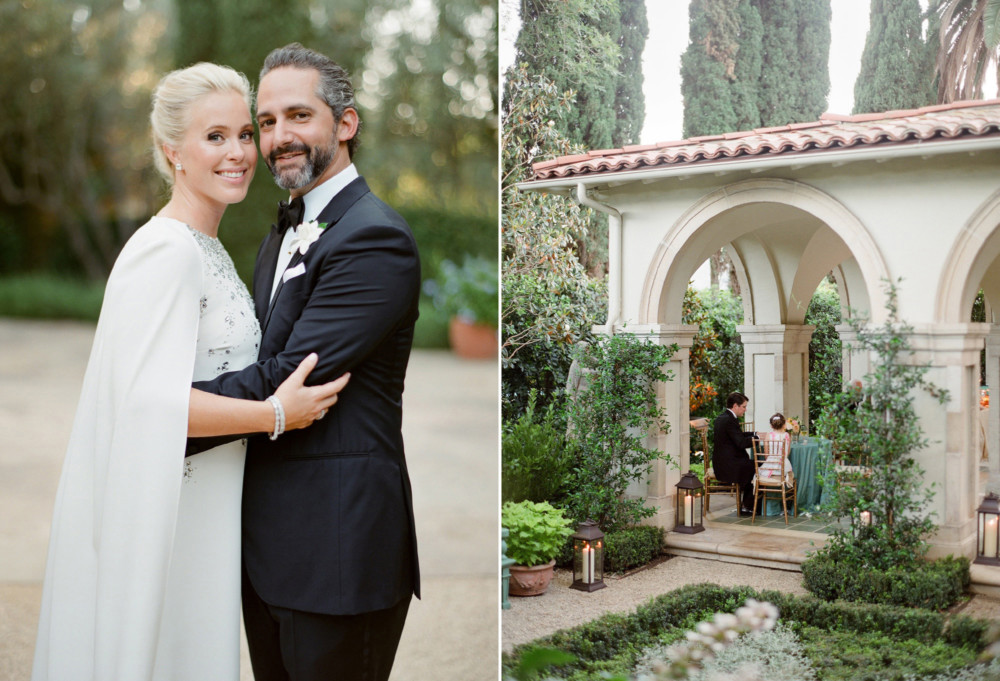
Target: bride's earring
178,166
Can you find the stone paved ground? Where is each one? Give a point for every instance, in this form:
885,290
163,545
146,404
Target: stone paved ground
450,426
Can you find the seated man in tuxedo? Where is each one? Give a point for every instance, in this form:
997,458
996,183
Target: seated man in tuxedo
731,461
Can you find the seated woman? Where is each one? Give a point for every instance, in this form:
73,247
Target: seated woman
779,433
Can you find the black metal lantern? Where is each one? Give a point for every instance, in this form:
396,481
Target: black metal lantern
690,496
988,531
588,557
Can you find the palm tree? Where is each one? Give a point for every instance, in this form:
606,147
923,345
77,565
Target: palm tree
970,37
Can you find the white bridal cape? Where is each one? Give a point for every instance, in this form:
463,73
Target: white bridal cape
143,573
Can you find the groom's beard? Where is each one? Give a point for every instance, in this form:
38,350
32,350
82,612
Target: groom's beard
315,162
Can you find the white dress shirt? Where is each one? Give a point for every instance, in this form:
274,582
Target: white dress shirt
315,201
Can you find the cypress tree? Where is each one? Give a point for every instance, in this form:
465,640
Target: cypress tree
897,69
755,63
813,59
748,66
795,78
630,104
708,68
592,121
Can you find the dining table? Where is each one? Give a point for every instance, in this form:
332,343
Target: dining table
810,457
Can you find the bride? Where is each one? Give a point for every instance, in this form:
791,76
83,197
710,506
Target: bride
143,573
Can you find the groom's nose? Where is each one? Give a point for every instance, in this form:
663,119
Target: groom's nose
282,133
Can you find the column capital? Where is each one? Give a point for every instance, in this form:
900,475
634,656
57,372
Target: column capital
792,338
936,344
662,334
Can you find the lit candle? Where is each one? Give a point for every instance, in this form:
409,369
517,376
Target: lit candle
593,573
688,506
588,563
866,517
990,538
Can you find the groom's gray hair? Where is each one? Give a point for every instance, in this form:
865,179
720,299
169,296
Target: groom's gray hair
334,86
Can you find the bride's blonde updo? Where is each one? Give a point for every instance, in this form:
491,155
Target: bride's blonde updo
172,100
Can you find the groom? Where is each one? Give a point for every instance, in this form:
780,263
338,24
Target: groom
329,549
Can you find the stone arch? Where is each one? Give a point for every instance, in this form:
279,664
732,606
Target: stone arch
687,242
969,265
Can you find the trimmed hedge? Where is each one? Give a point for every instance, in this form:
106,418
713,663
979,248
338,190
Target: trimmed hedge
623,550
934,585
615,641
631,547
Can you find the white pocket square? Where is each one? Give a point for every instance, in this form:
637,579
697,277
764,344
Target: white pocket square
294,272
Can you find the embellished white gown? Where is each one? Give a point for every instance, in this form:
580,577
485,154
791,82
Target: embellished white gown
143,573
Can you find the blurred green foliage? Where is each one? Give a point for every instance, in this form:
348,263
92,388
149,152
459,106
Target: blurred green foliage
76,175
43,296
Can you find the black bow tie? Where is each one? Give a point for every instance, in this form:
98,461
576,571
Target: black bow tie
290,214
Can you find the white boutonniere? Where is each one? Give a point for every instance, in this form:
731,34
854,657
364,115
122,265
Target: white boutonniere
305,235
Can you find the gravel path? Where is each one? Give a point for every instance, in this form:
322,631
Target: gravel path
561,607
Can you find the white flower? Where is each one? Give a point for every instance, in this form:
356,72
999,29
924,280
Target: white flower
305,235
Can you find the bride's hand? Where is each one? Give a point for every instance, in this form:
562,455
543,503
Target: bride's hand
304,404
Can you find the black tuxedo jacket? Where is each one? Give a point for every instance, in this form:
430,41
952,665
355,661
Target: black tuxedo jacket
327,512
731,445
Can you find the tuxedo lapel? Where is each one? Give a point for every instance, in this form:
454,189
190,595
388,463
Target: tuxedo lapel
263,273
330,215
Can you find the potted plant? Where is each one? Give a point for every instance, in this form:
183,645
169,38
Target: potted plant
470,296
538,532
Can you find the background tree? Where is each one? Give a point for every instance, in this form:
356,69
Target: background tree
795,74
825,360
897,65
599,59
76,175
630,104
549,302
716,366
969,42
708,68
754,63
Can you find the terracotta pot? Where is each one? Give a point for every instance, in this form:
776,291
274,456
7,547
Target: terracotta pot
531,580
472,341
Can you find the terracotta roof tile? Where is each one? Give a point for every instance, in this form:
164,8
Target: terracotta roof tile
832,131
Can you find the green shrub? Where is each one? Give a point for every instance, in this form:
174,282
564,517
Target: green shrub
716,364
537,531
615,642
535,457
46,296
934,585
443,235
431,330
631,547
848,655
469,291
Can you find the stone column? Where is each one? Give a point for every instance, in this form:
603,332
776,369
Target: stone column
855,363
660,488
776,360
951,459
993,416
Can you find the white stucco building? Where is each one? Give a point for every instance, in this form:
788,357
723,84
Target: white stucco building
906,195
